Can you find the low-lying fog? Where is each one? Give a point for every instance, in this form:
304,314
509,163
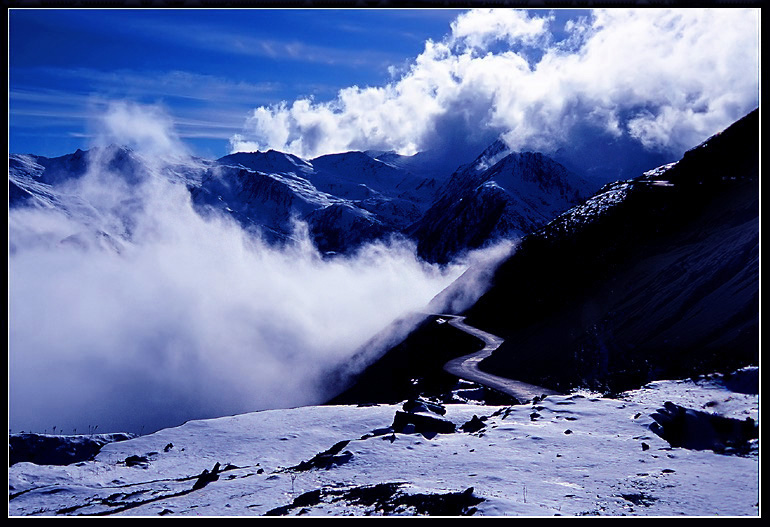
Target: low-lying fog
170,316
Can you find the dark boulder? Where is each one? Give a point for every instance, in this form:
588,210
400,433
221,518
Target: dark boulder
207,477
693,429
328,458
421,405
422,424
137,461
474,425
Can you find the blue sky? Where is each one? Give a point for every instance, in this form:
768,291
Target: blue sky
207,68
318,81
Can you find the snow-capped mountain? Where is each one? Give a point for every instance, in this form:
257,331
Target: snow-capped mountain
345,199
118,160
501,194
349,199
270,161
97,207
268,201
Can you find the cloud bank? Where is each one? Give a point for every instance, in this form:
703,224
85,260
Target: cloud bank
132,312
666,78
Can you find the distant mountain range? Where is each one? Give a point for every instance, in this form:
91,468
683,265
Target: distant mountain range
346,199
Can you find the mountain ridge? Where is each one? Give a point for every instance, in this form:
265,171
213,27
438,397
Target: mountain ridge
662,276
347,198
486,200
651,278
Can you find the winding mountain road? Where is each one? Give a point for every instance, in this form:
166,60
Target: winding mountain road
467,366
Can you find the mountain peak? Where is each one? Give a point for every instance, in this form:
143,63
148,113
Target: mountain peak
269,161
377,154
491,155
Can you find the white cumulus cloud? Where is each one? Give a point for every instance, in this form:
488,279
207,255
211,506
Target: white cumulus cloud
668,78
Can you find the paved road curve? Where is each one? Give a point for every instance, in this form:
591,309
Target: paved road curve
467,366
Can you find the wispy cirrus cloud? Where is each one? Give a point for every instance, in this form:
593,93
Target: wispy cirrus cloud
204,106
228,40
150,83
62,113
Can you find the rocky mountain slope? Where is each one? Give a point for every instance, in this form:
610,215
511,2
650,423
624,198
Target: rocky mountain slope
655,277
345,199
501,194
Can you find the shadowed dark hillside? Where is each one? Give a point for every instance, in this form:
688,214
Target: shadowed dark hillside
653,278
412,367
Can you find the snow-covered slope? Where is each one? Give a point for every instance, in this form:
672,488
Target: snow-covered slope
268,201
114,158
26,184
346,199
270,161
34,177
571,455
94,207
393,193
431,164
